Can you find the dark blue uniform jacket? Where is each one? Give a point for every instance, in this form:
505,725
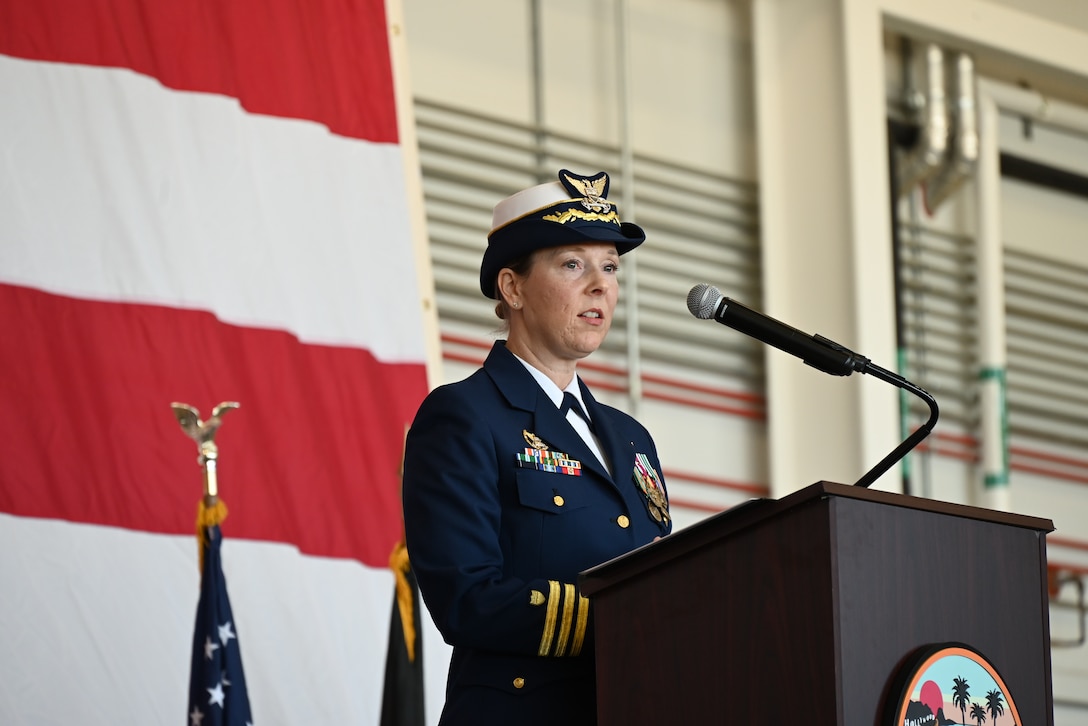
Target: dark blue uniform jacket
504,505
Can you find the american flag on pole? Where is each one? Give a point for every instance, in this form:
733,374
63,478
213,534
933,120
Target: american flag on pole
202,201
217,682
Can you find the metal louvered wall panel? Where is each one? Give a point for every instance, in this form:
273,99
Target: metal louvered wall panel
701,227
1047,336
1047,311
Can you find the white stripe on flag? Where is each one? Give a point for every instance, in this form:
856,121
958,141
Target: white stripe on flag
100,622
121,189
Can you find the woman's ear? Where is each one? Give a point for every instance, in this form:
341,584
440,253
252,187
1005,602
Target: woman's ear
509,287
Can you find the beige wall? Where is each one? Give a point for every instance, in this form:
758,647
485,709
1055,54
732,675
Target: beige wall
690,71
791,94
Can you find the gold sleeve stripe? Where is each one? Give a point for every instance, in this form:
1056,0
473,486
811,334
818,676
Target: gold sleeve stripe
580,627
550,617
569,598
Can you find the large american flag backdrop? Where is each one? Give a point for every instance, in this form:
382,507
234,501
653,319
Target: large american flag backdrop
200,202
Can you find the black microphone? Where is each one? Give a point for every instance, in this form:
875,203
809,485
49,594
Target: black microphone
706,302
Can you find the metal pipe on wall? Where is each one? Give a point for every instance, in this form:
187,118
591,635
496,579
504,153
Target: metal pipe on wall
925,77
1034,105
993,491
963,138
627,207
536,35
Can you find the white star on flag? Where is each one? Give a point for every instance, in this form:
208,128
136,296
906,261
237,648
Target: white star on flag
216,695
225,633
217,681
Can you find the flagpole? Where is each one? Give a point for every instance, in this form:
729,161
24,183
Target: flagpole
217,683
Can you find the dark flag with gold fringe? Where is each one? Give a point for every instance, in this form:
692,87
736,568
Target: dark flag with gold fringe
217,683
402,699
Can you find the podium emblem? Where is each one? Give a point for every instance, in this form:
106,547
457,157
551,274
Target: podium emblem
950,683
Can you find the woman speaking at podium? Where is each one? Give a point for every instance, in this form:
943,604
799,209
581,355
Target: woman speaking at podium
517,478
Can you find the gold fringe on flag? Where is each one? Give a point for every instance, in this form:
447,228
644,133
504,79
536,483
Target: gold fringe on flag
207,516
398,563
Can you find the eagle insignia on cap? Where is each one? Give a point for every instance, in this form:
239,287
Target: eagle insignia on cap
593,190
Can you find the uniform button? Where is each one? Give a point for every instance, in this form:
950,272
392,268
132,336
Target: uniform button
558,500
519,683
623,521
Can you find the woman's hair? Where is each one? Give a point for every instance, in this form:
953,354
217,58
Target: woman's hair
520,267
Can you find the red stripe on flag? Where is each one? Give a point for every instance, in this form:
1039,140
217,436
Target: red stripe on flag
321,60
312,457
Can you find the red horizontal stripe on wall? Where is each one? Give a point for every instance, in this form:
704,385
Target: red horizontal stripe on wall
311,458
321,60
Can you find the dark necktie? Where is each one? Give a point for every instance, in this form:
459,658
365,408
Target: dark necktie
570,403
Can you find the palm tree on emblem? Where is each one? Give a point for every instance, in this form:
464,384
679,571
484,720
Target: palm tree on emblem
978,713
994,704
960,695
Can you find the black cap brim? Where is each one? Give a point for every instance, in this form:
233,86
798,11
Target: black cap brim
527,235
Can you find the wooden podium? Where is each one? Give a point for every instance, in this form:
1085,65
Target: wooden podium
805,609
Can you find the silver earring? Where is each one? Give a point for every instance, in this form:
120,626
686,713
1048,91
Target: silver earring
517,305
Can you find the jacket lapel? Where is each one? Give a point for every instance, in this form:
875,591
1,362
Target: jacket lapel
522,392
618,450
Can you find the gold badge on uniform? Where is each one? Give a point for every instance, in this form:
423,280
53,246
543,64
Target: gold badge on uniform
533,440
538,456
650,483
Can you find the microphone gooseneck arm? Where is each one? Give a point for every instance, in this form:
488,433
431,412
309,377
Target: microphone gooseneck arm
707,302
911,441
